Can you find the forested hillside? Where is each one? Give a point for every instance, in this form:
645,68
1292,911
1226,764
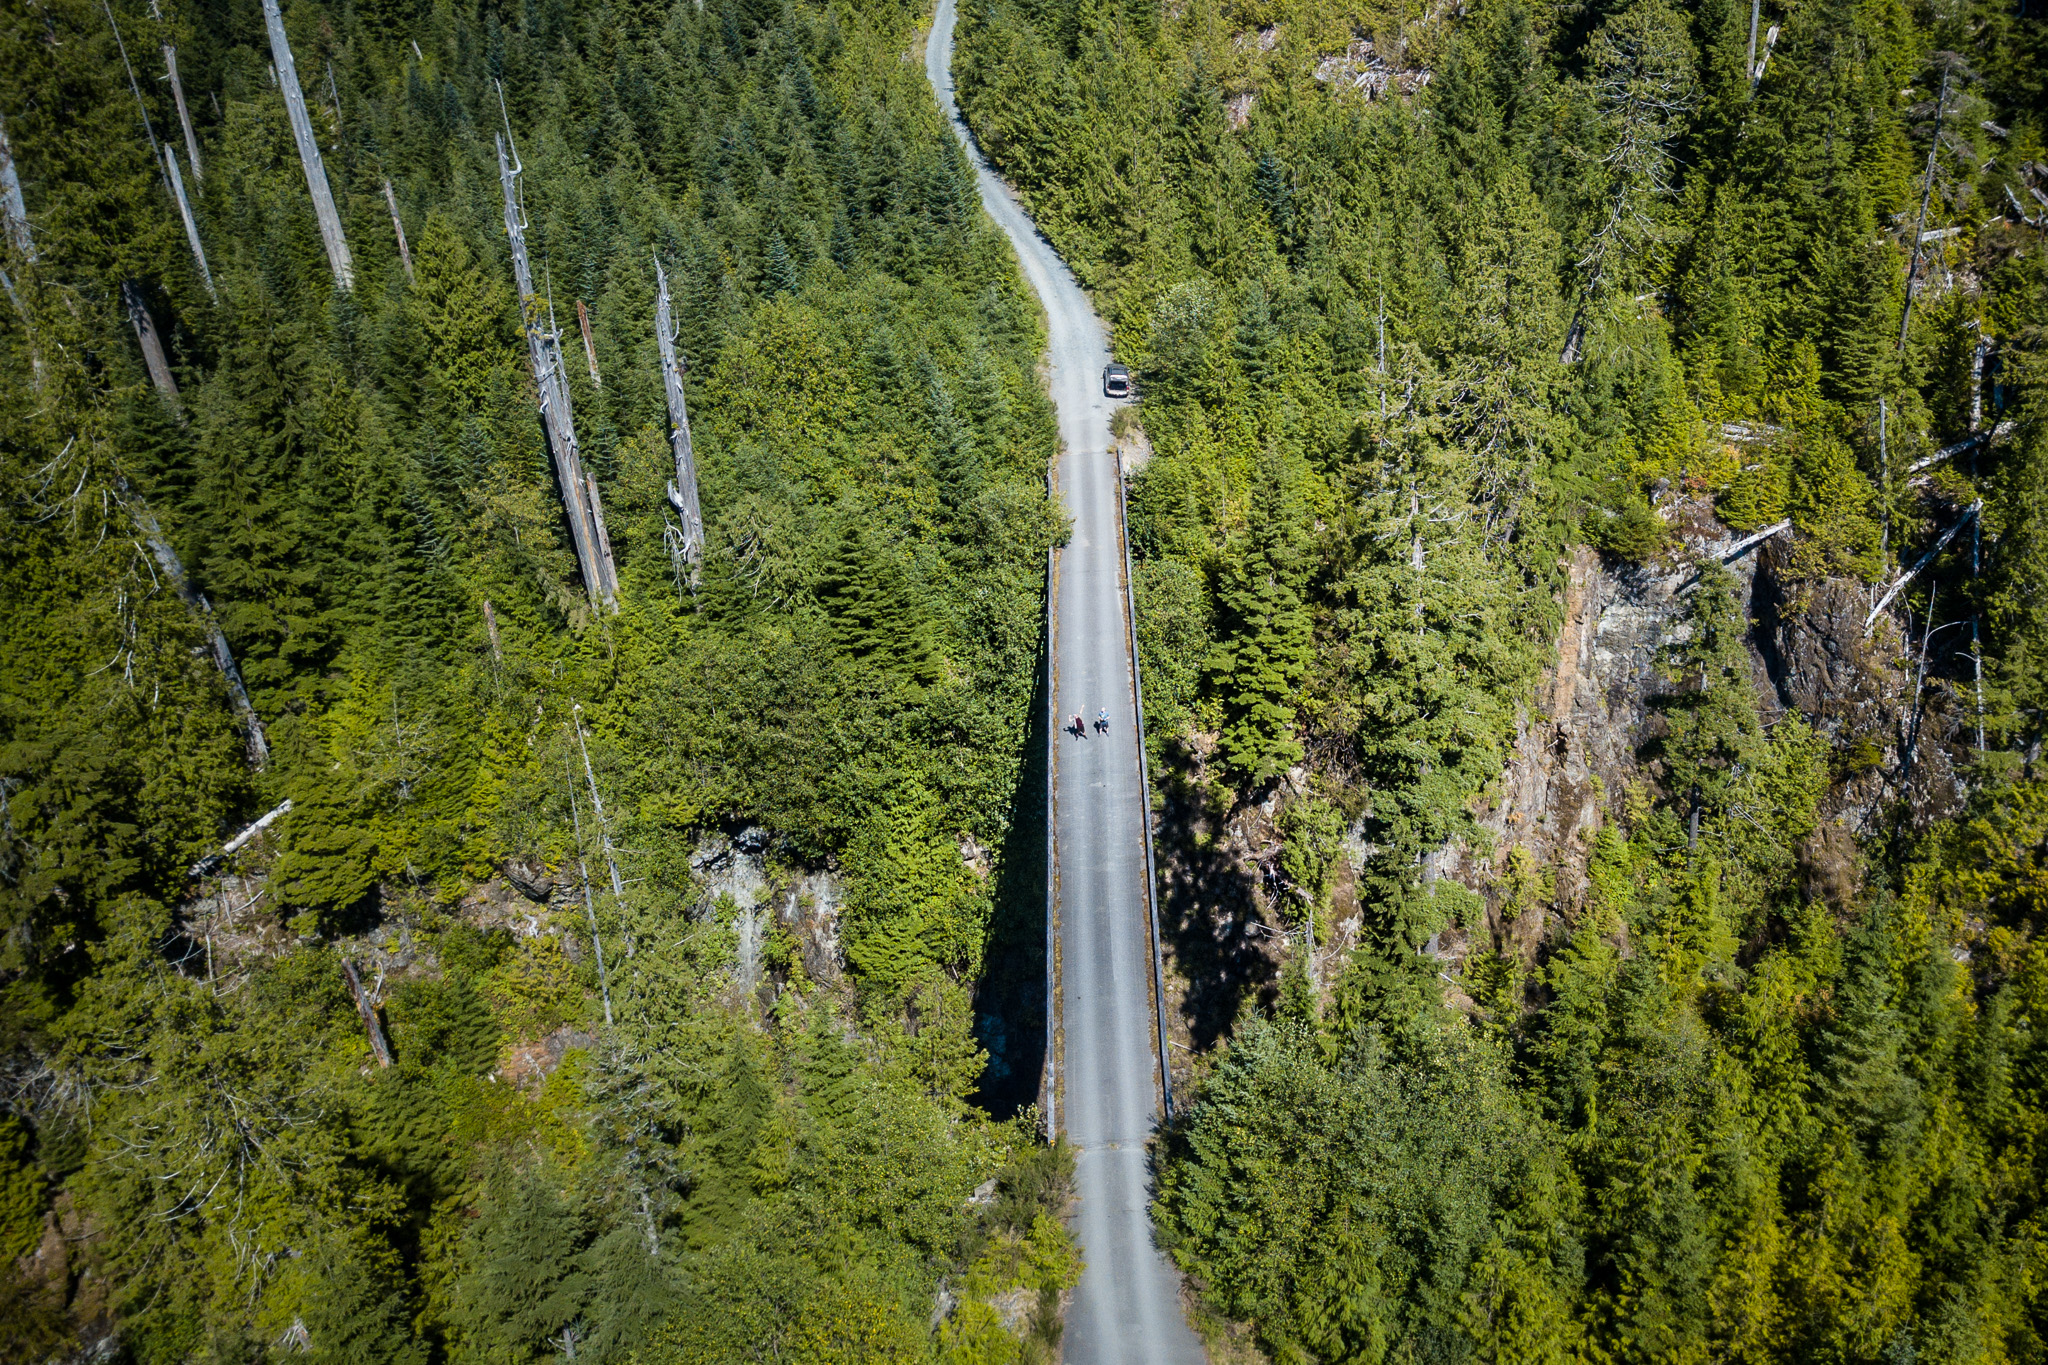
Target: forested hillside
1748,1064
579,1106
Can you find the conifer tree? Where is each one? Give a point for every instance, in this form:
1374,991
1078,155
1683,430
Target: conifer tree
461,311
1713,723
525,1291
329,856
875,619
956,458
358,1315
1262,652
778,272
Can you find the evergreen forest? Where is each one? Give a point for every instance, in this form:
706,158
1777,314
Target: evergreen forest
614,1114
1440,314
458,905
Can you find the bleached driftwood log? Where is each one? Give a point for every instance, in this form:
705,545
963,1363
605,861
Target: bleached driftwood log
331,234
544,350
682,492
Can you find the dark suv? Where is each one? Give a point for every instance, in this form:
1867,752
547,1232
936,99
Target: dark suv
1116,381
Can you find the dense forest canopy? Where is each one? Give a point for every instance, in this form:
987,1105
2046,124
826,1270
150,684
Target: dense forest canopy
677,1145
1418,297
478,1052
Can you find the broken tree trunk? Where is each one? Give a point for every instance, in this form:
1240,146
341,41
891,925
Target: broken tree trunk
1756,72
1977,382
589,347
380,1047
174,183
152,344
14,226
544,350
206,866
309,149
174,569
177,183
13,208
1969,514
604,981
682,493
491,629
184,115
1926,193
1573,339
398,226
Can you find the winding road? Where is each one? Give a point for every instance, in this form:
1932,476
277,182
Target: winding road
1126,1310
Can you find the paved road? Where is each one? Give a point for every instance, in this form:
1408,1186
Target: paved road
1127,1308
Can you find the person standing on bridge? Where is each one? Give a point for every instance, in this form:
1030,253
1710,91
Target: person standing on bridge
1102,720
1080,731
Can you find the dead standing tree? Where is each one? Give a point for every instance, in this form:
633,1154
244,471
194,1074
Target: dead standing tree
178,97
1643,81
13,208
174,183
309,150
544,348
1952,67
686,546
223,659
152,345
14,224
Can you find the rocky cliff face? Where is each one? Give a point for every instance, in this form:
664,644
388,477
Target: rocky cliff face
1580,743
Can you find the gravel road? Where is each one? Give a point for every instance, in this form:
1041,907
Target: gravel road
1127,1309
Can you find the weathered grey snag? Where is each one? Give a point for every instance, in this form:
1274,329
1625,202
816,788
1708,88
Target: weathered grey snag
287,75
1926,193
544,350
398,226
152,345
178,98
1754,7
13,208
14,224
174,183
682,492
177,183
174,569
604,981
380,1047
148,129
1756,72
1969,515
212,862
589,347
604,539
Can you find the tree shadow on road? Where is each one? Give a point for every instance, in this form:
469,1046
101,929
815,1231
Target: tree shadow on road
1217,937
1009,1000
